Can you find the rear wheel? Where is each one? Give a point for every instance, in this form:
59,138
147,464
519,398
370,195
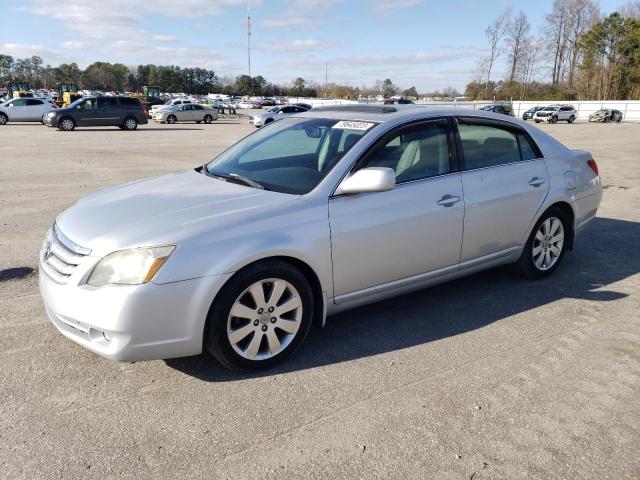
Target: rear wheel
3,119
260,316
546,245
208,119
619,120
572,119
67,124
130,123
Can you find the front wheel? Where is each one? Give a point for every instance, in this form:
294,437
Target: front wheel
259,317
3,119
171,119
67,124
554,120
546,245
130,123
606,120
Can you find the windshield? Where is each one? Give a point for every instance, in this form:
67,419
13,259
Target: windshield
549,109
289,156
274,110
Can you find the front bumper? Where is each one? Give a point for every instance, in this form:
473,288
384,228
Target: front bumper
50,121
141,322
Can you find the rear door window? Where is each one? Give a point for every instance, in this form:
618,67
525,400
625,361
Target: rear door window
487,145
31,102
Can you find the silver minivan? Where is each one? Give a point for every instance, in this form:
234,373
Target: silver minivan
318,213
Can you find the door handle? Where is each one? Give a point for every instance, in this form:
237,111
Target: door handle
536,181
448,200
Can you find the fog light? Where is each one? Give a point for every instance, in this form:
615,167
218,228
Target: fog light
107,337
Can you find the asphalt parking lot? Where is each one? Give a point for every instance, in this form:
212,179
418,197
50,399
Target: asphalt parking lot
490,376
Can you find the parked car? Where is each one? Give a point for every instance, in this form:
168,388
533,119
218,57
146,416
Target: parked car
606,115
528,115
556,113
101,111
499,108
398,101
25,110
171,103
275,113
186,113
248,105
321,212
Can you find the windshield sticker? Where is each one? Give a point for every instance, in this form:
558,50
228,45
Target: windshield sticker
346,124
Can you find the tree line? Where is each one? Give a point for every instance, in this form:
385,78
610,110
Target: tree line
579,52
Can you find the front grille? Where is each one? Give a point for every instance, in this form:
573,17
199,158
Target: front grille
60,256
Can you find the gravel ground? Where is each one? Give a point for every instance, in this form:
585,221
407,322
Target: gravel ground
490,376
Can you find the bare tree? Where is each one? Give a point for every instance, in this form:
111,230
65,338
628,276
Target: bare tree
631,10
495,32
517,32
583,15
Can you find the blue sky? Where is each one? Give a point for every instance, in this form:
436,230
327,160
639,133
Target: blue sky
424,43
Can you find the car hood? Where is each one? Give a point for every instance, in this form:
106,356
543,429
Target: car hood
161,210
598,114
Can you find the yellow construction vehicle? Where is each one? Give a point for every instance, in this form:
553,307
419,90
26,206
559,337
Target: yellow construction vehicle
17,89
67,94
150,96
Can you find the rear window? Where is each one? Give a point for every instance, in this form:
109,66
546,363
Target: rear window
129,102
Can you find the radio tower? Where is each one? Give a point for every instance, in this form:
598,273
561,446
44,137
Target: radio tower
249,34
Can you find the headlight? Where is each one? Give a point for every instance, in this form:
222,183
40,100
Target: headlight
130,267
51,114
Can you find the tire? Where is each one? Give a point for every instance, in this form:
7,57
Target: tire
251,349
554,119
530,264
571,119
4,119
537,121
619,120
208,119
606,120
130,123
66,124
268,121
171,119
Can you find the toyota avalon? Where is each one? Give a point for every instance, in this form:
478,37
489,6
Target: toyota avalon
320,212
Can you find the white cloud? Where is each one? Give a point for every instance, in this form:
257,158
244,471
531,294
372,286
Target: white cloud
290,22
299,46
163,38
386,5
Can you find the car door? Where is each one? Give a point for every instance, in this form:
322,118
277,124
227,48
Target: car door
34,109
17,110
415,228
108,112
86,113
505,181
197,113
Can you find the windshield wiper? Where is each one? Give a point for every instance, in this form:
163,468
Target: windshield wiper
233,177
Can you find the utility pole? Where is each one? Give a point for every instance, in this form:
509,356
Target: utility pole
326,84
249,35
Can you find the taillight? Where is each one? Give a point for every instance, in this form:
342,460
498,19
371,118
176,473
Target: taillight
593,166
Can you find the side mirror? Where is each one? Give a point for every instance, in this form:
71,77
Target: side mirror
374,179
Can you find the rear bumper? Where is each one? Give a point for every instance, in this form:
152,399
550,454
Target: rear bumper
132,323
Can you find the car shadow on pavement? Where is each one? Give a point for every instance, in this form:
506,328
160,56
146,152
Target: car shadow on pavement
606,253
141,129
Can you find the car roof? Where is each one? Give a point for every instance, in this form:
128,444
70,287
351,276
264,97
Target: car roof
386,113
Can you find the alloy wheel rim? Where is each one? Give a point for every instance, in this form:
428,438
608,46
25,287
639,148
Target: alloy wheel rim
3,119
264,319
131,124
548,243
67,124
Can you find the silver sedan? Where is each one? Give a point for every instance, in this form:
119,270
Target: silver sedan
185,113
319,213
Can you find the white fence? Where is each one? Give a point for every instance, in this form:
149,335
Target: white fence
629,108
